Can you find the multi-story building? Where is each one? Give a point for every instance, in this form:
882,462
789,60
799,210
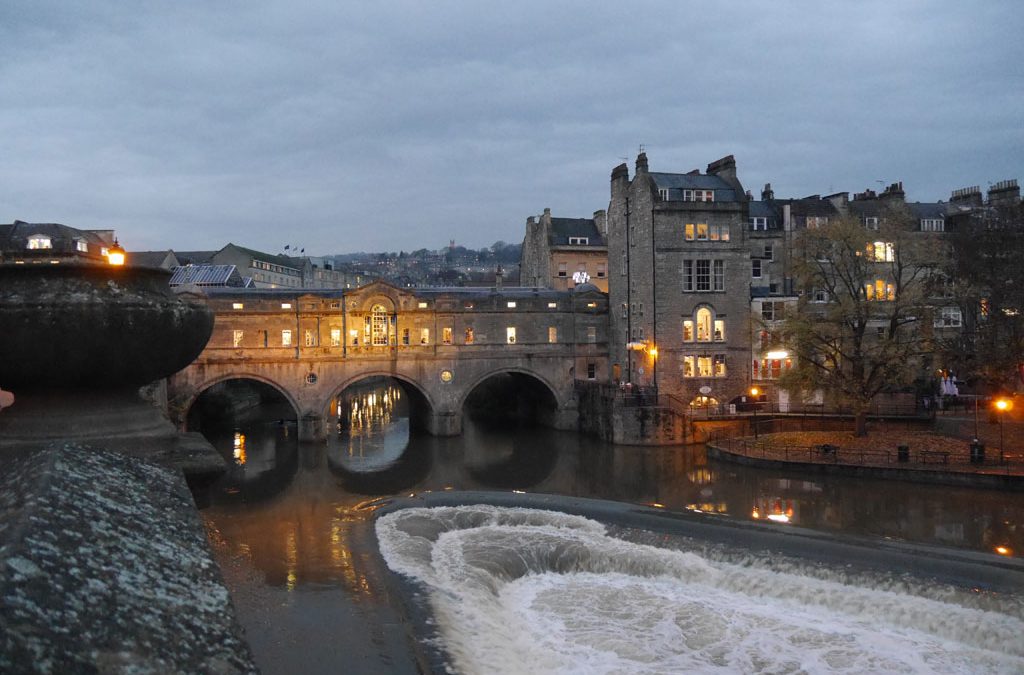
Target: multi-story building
679,290
561,253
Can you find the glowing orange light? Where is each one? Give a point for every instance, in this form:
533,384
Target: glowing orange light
1004,550
115,255
754,391
1004,404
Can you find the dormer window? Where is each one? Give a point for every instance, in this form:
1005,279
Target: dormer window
579,241
698,195
933,225
663,194
758,223
39,241
81,245
871,222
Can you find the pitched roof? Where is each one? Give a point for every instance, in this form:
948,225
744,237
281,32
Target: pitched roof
206,275
563,228
694,181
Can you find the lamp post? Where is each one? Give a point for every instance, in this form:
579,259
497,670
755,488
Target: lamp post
754,392
1003,405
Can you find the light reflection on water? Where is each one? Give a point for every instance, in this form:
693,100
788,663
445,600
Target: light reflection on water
292,531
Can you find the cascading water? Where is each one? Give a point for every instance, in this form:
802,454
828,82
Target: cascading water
516,590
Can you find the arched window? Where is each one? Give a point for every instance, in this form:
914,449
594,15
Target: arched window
379,325
703,325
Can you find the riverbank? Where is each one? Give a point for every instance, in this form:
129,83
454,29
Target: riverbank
921,457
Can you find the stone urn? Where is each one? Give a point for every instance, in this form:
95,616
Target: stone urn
77,341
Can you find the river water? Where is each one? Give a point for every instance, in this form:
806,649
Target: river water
292,526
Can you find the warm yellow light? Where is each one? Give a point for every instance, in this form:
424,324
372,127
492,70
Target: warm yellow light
1004,550
778,518
754,391
653,351
115,254
1004,404
777,354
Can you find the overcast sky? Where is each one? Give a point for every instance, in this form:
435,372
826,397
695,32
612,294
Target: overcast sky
340,127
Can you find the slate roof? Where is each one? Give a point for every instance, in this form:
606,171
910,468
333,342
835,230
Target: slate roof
694,181
194,257
147,258
282,260
563,228
923,210
14,240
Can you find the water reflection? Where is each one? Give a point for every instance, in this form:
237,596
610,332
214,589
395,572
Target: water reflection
294,519
372,425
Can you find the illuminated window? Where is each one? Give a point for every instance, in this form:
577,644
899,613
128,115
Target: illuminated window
718,233
880,251
424,336
688,232
718,365
379,325
552,305
335,337
236,305
704,366
880,290
688,366
286,305
703,325
236,338
286,338
309,338
702,231
81,245
510,334
446,335
353,337
469,335
511,304
38,242
719,334
688,331
422,305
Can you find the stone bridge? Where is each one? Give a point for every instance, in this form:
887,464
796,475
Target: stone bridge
440,344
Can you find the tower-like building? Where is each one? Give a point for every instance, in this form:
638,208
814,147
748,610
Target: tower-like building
679,281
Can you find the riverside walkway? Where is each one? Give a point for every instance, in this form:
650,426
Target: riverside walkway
901,455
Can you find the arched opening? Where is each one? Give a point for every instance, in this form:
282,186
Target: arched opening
254,427
511,398
506,444
373,422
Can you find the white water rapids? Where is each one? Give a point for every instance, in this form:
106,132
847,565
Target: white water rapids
529,591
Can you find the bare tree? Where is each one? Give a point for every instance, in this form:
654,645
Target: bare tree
863,303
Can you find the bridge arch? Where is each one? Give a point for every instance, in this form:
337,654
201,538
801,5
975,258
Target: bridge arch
423,408
184,405
544,405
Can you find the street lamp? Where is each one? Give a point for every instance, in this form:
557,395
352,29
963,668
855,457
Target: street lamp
754,392
1003,405
115,254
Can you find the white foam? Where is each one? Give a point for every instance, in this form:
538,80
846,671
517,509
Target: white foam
528,591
